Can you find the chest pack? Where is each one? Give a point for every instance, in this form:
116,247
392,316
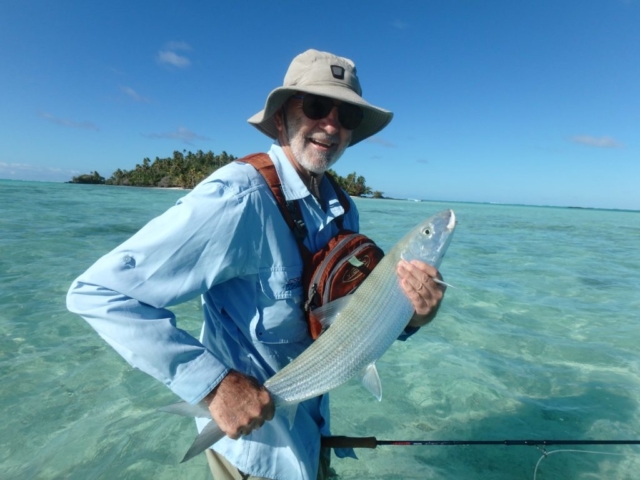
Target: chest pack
340,266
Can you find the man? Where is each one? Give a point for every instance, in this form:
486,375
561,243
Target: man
227,241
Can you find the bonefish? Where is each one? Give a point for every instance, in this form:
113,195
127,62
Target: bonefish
359,329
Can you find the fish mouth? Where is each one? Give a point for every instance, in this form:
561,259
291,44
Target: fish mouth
452,220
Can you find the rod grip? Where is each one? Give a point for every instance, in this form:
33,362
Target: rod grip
349,442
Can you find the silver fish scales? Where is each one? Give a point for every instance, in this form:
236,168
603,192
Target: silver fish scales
362,325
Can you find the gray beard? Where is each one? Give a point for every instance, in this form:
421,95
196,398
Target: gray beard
317,162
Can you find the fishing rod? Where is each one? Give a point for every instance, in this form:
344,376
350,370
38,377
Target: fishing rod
373,442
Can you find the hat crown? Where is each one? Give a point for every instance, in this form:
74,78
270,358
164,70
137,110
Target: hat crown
314,68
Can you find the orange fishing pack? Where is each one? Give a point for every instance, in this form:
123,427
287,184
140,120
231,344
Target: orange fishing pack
340,266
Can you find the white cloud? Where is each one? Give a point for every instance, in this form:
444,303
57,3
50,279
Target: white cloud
600,142
173,46
381,141
69,123
134,95
171,58
183,134
400,25
116,71
168,55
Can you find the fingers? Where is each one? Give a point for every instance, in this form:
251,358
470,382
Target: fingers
416,279
240,405
419,272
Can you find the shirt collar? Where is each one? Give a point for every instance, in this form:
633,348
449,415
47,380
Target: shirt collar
292,185
294,188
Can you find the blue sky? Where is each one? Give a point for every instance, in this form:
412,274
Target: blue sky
528,102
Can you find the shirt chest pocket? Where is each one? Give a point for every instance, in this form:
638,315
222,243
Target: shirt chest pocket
280,283
280,316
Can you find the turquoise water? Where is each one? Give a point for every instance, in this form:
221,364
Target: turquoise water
538,341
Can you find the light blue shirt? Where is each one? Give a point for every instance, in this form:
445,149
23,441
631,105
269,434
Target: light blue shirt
228,242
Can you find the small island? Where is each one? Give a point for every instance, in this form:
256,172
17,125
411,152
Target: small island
187,169
92,178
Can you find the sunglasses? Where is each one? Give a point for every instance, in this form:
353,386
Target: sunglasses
316,107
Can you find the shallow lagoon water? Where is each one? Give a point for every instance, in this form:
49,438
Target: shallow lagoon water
539,340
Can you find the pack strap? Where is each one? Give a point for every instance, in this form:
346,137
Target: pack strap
289,209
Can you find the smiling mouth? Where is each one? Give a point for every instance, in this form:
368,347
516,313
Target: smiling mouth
320,143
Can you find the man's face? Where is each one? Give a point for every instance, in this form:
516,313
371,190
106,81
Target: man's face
315,144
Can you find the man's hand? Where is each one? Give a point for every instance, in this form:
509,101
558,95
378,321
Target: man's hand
239,405
416,279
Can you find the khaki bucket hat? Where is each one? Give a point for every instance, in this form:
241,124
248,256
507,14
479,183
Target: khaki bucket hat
324,74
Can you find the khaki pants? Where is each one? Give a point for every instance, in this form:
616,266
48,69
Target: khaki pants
221,469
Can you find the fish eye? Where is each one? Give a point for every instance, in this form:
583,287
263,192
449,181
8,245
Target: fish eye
426,231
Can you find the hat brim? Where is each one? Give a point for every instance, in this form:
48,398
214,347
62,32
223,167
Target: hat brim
374,119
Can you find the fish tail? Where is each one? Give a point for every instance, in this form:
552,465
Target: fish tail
207,437
187,410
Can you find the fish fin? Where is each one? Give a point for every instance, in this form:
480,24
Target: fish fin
185,409
329,312
448,285
289,410
209,435
371,381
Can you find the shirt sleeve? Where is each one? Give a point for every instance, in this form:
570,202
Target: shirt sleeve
177,256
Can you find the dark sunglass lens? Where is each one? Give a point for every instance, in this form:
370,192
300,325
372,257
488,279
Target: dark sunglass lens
315,107
350,116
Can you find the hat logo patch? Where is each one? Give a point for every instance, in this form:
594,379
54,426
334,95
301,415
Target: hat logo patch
337,71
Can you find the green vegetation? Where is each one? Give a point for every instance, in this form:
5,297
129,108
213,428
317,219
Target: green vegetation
93,177
353,184
187,169
183,170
